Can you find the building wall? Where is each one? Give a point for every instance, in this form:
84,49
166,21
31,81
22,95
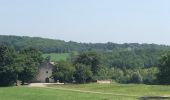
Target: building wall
104,81
45,71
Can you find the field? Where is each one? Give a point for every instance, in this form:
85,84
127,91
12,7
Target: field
57,56
84,92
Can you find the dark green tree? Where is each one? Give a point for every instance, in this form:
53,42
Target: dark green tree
91,59
136,78
31,59
163,76
8,70
83,74
102,73
63,71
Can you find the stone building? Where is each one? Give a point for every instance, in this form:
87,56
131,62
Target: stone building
45,73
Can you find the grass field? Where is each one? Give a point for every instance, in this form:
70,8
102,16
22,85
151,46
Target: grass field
27,93
57,56
128,89
84,92
123,89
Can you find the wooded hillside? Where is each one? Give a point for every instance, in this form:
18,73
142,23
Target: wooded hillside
58,46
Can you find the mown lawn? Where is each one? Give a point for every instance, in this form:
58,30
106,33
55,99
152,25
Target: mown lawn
30,93
113,91
57,56
132,90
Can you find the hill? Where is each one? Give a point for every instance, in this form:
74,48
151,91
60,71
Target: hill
58,46
112,55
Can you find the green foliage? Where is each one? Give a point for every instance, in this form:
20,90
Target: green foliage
136,78
91,59
116,73
131,59
73,56
164,70
63,71
102,73
83,73
8,70
23,65
105,60
33,53
44,45
146,76
87,66
30,60
149,75
59,46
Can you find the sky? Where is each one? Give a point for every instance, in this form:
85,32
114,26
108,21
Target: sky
118,21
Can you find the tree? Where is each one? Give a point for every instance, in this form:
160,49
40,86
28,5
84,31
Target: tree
31,59
91,59
149,75
63,71
83,73
8,70
102,73
136,78
163,76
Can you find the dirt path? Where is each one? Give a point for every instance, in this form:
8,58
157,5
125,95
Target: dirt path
43,84
93,92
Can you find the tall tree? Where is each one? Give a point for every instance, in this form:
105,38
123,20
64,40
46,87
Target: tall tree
91,59
31,59
83,73
8,70
136,78
63,71
164,70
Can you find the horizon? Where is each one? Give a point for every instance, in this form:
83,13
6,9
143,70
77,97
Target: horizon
84,42
90,21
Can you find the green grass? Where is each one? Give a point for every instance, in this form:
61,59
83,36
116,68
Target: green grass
113,91
27,93
57,56
132,90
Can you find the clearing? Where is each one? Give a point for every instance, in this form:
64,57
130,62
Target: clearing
57,56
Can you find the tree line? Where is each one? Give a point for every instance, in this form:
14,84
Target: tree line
88,67
82,67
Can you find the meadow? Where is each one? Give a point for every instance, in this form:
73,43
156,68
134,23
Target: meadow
57,56
28,93
94,91
121,89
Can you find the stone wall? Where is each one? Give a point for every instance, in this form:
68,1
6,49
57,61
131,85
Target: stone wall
104,81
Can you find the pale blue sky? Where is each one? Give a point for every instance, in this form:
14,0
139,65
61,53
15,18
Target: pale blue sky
119,21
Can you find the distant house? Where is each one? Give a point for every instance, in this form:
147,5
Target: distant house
45,73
